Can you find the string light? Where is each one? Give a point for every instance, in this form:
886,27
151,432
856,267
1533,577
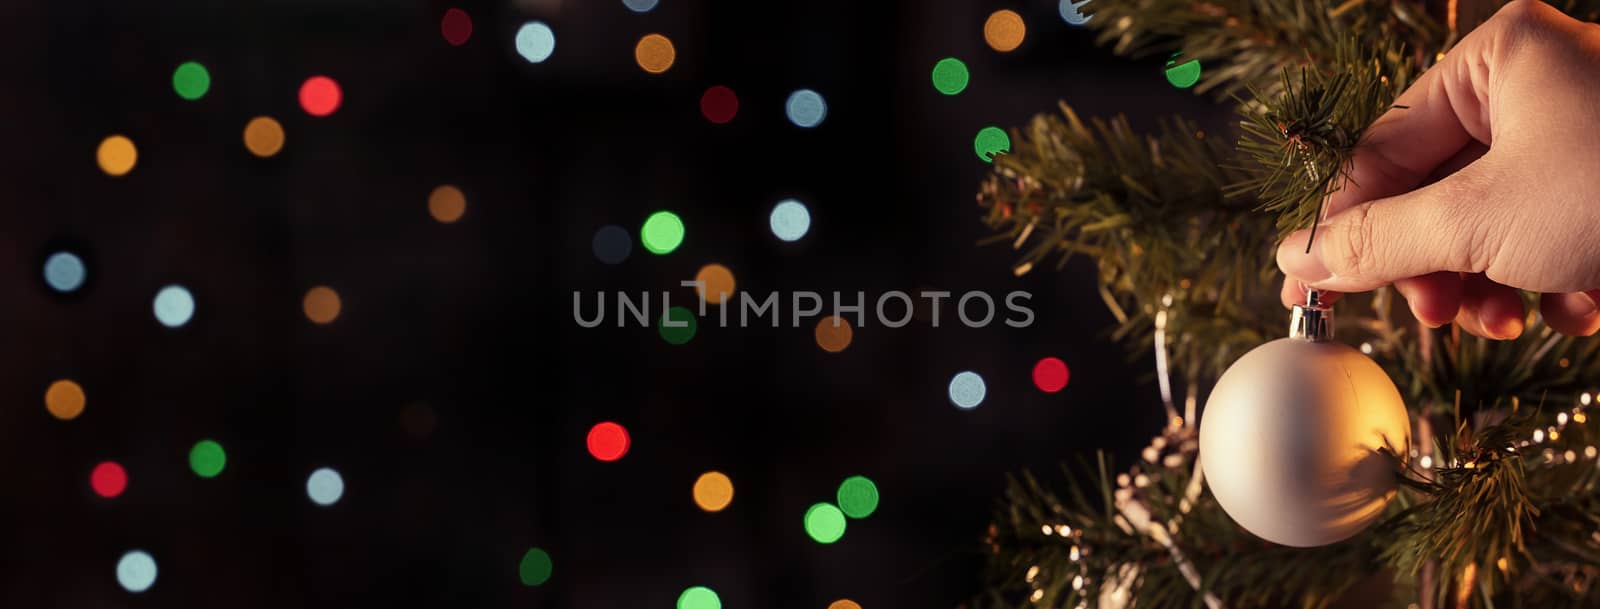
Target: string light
654,53
535,41
713,491
991,141
790,220
719,104
174,306
456,27
1050,375
447,204
950,76
535,568
191,80
805,108
699,597
1561,418
64,399
1004,30
715,283
611,244
207,458
321,305
1426,462
263,136
858,497
1538,436
64,272
967,390
116,155
320,96
682,328
1584,398
325,486
662,232
824,523
608,441
834,334
136,571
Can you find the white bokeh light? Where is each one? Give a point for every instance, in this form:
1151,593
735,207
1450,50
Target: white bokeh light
790,220
325,486
535,41
174,306
967,390
136,571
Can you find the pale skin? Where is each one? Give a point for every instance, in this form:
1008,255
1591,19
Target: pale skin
1483,184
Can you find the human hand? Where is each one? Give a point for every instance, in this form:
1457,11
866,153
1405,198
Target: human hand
1487,182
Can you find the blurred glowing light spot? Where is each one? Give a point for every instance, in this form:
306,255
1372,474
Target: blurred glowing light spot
608,441
535,567
321,304
654,53
713,491
719,104
612,244
1050,375
967,390
640,6
174,306
991,142
1072,12
833,333
699,597
320,96
191,80
108,479
1182,75
456,26
790,220
325,486
207,458
535,41
824,523
1004,30
662,232
447,204
682,328
136,571
716,283
116,155
858,497
64,399
263,136
806,108
64,271
844,603
950,76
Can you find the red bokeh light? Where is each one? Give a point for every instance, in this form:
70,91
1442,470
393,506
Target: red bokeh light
608,441
456,27
719,104
320,96
108,479
1050,375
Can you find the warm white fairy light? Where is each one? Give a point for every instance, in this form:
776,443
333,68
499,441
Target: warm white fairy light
1063,530
1077,582
1037,595
1151,454
1141,481
1553,434
1561,419
1123,480
1584,399
1366,348
1580,418
1047,530
1570,456
1538,436
1427,462
1589,451
1073,554
1033,572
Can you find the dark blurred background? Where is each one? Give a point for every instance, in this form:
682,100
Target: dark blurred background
454,391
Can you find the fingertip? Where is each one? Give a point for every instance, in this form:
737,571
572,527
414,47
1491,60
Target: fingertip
1496,309
1295,260
1434,299
1573,314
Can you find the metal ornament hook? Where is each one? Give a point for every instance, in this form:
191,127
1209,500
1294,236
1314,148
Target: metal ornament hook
1312,321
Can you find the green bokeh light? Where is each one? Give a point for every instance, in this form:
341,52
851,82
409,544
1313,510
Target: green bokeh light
699,597
991,141
1183,75
858,497
950,76
207,459
824,523
678,335
662,232
191,80
535,568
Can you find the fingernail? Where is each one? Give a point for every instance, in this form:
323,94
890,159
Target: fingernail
1296,262
1588,296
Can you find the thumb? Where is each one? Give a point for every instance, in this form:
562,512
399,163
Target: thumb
1373,244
